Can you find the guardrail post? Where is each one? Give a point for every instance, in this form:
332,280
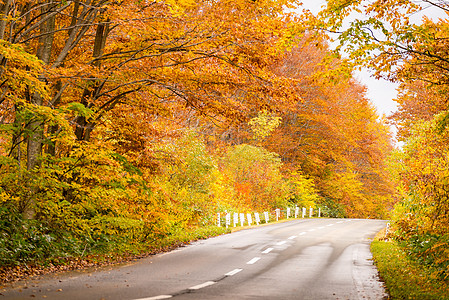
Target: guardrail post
250,220
296,212
242,219
236,219
278,214
310,212
387,229
228,219
267,217
319,212
257,218
288,212
218,220
303,212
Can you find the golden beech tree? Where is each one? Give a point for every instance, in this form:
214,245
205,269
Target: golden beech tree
413,53
334,133
102,59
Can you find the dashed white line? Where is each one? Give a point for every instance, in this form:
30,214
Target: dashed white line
233,272
281,243
203,285
156,297
253,261
302,233
339,222
268,250
292,237
330,225
321,227
312,229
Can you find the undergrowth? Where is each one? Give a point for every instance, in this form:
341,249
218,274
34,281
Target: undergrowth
30,248
405,277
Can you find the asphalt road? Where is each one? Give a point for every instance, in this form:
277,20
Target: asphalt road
299,259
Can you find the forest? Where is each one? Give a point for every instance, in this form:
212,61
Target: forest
126,124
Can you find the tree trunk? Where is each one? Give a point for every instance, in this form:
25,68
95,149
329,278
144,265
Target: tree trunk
84,128
36,126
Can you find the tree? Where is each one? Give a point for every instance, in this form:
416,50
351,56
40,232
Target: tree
334,132
104,58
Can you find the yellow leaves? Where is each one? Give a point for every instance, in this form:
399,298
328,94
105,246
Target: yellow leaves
22,71
264,124
179,7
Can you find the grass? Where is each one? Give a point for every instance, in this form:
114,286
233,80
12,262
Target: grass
180,238
405,278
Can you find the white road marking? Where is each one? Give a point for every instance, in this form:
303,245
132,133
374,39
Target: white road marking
313,229
268,250
281,243
321,227
339,222
233,272
203,285
253,261
330,225
156,297
302,233
292,237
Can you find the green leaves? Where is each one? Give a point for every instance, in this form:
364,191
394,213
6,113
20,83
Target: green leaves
79,109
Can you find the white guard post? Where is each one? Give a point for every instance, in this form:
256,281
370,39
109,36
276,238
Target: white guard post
303,212
267,217
288,212
228,219
218,220
278,214
256,216
242,219
296,212
319,212
310,212
250,220
236,219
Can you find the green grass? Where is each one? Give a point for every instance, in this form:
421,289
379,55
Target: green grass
404,278
22,269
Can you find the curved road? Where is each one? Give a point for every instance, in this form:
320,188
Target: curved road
299,259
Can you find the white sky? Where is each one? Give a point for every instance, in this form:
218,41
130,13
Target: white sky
380,92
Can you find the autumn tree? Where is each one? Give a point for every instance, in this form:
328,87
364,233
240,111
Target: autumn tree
103,57
334,133
413,53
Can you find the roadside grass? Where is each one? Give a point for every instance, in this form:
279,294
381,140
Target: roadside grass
20,271
405,278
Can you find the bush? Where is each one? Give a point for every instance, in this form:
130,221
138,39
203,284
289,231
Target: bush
404,277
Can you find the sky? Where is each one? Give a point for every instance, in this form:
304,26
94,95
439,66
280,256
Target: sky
381,92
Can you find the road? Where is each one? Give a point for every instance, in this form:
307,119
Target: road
299,259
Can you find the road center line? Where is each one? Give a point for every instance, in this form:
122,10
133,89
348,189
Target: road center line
253,261
339,222
292,237
330,225
268,250
321,227
233,272
312,229
203,285
281,243
302,233
156,297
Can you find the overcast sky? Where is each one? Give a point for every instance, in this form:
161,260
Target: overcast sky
380,92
